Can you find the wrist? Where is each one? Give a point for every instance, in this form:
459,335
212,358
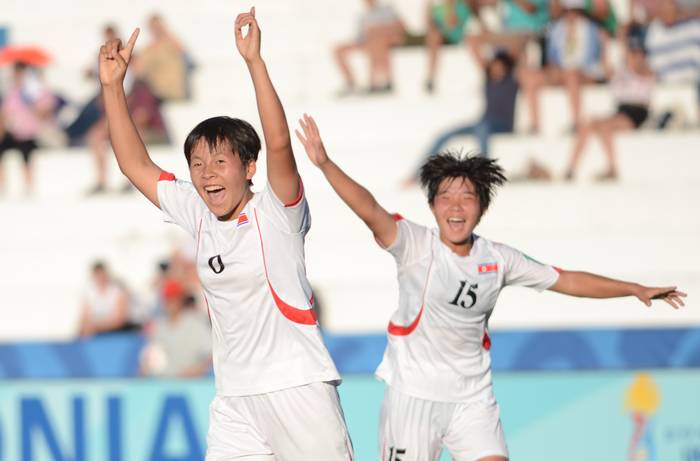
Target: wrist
252,63
636,289
325,164
113,89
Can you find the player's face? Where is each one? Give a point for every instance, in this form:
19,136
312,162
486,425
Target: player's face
457,211
221,179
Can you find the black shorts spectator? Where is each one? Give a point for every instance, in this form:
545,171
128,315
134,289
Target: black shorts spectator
25,147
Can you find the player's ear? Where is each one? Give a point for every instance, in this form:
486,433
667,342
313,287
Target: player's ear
251,168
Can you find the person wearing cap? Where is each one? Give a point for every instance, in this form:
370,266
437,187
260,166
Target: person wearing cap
179,343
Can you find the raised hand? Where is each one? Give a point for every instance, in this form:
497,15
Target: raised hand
114,59
670,295
248,46
311,139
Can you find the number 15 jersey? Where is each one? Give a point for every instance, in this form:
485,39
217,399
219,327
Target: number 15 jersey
438,345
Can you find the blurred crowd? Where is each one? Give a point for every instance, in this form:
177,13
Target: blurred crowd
32,115
536,44
172,315
531,45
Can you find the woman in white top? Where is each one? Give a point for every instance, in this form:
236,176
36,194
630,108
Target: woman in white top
104,305
437,365
631,87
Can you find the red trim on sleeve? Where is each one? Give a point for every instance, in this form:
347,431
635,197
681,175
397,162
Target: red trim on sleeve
165,176
559,270
397,217
299,196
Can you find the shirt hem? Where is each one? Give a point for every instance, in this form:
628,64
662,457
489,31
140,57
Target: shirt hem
246,391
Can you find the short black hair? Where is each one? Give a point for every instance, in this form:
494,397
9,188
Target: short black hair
237,133
98,266
486,174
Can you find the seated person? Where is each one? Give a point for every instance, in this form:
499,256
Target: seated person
447,20
380,29
576,54
631,87
105,304
500,92
179,343
25,110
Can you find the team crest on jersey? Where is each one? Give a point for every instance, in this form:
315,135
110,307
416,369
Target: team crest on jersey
488,269
242,219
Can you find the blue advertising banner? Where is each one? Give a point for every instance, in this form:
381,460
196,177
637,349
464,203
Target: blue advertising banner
590,349
577,416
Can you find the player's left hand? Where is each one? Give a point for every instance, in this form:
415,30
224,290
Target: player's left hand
670,295
248,46
311,139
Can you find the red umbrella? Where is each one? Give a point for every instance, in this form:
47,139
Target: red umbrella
31,55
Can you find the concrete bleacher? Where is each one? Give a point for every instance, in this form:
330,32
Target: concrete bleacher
646,227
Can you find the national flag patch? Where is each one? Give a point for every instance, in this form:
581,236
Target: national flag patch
242,219
487,268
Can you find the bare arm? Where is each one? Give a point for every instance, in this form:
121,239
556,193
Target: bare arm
130,151
587,285
281,167
359,199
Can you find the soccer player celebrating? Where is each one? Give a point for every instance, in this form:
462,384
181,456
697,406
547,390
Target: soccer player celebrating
437,365
275,381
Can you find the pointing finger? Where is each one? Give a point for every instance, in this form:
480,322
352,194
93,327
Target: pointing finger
132,41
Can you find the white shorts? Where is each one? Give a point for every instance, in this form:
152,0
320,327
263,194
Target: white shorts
413,429
301,423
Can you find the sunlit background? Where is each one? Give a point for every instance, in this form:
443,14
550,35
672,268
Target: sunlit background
577,379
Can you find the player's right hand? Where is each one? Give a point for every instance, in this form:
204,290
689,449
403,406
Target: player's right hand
114,59
311,139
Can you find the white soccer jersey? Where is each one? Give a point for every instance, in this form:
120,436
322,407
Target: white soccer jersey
265,334
438,346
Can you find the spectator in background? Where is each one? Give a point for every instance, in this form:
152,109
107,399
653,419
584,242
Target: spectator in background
576,54
673,45
27,108
631,87
500,92
146,113
523,21
163,64
380,29
179,343
105,304
447,20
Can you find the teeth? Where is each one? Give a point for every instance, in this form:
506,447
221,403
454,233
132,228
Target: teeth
213,188
455,220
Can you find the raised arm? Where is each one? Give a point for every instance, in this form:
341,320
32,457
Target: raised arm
359,199
281,167
587,285
132,157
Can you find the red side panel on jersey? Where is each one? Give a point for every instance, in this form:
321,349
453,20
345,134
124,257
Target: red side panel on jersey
165,176
486,341
302,316
299,196
398,330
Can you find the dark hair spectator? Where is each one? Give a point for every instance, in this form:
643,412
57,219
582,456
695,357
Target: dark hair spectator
26,110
